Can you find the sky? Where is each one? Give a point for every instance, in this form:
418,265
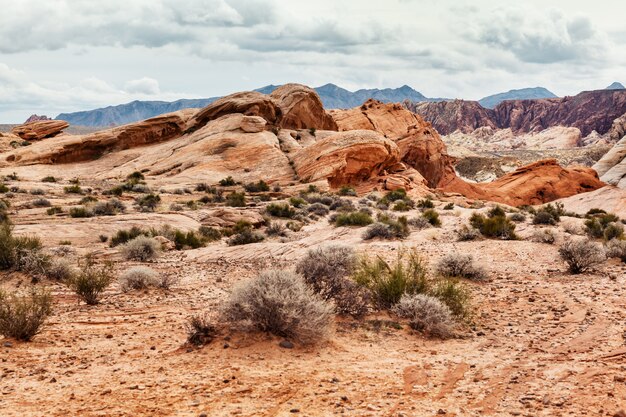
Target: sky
70,55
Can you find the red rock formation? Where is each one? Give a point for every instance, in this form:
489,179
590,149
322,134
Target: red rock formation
587,111
36,118
40,129
301,108
346,158
420,145
450,116
536,183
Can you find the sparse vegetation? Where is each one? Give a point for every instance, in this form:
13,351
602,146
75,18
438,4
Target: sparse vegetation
148,202
326,271
457,265
49,179
139,278
200,330
256,187
580,255
73,189
80,212
21,317
91,281
227,182
497,226
426,314
280,210
347,190
236,199
141,248
354,218
544,236
388,282
432,216
279,302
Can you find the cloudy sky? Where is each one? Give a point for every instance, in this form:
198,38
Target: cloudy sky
68,55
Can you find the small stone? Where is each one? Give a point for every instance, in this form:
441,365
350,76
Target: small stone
7,344
294,410
286,344
53,379
441,411
109,336
105,392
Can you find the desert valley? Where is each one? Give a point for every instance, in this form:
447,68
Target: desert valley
134,238
294,250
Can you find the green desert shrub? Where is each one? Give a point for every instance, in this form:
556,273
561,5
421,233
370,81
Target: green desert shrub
54,210
124,235
227,182
432,216
389,281
455,295
109,208
40,202
49,179
257,187
426,314
354,218
388,227
347,190
80,212
426,203
236,199
279,302
21,317
280,210
245,237
148,202
210,234
73,189
580,255
613,230
91,281
616,249
495,227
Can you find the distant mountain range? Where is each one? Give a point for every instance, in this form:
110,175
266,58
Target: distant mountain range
490,102
616,86
332,96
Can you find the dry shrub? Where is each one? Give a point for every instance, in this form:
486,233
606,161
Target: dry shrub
280,302
544,236
200,330
60,270
580,255
139,278
426,314
616,249
21,317
142,248
466,233
326,269
460,266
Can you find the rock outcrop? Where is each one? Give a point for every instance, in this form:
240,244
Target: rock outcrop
301,108
588,111
36,118
420,145
612,166
40,129
249,103
536,183
346,158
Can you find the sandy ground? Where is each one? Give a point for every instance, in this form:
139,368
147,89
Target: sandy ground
544,343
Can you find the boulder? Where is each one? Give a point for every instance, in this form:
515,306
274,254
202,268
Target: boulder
40,129
301,108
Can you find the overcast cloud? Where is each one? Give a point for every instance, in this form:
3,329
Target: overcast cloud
68,55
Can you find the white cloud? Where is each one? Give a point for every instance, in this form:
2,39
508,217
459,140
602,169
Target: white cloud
145,85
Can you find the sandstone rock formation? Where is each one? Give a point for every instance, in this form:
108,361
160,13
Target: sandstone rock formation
380,146
40,129
419,144
346,158
609,198
537,183
301,108
612,166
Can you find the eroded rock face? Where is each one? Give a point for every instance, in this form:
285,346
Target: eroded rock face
450,116
301,108
612,166
88,147
588,111
536,183
420,145
249,103
346,158
40,129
